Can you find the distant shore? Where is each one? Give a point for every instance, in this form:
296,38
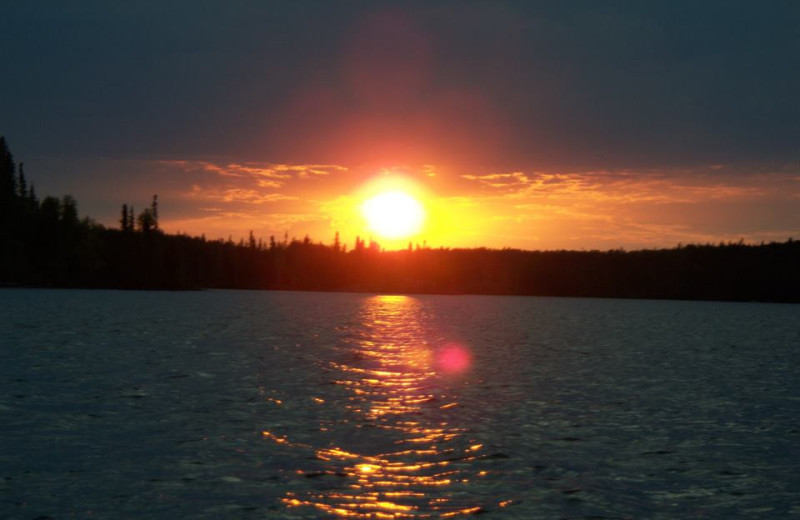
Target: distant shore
157,261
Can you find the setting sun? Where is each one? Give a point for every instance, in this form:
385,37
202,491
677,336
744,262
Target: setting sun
394,214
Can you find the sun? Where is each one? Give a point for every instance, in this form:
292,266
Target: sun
393,214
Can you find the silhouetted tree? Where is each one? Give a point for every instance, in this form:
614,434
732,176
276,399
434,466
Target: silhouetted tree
51,210
123,220
8,182
8,196
154,212
69,211
33,202
146,221
23,184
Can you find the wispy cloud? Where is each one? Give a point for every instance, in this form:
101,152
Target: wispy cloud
618,187
277,173
632,208
233,194
233,184
506,182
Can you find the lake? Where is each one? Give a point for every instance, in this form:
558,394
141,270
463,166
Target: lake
246,404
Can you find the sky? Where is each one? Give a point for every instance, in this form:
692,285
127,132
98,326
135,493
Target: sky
524,124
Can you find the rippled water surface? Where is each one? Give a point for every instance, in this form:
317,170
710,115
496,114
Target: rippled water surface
228,405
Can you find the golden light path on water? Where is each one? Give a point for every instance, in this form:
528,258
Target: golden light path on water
413,462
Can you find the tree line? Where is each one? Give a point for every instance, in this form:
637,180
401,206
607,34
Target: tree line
45,243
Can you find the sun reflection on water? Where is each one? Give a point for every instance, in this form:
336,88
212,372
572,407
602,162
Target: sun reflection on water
402,456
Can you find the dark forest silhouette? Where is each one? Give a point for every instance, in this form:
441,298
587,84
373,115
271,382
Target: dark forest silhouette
46,243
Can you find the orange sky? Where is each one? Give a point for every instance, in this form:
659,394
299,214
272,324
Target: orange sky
520,209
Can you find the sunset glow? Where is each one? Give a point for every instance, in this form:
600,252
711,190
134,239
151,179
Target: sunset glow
492,119
394,214
467,207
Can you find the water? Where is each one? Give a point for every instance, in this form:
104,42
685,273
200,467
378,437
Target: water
229,405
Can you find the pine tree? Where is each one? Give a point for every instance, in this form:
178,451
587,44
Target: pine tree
154,212
69,211
23,184
50,211
32,200
8,179
124,218
146,221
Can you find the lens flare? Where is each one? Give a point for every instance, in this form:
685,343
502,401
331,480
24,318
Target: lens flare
453,358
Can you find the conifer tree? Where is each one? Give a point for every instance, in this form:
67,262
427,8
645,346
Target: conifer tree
8,180
32,200
146,221
124,218
23,184
154,212
69,210
51,210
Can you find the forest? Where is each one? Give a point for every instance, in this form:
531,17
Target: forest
45,243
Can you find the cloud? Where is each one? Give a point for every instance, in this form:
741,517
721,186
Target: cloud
234,194
429,170
278,174
264,183
501,181
620,186
249,183
653,208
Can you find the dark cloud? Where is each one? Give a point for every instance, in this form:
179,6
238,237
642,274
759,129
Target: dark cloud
496,84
